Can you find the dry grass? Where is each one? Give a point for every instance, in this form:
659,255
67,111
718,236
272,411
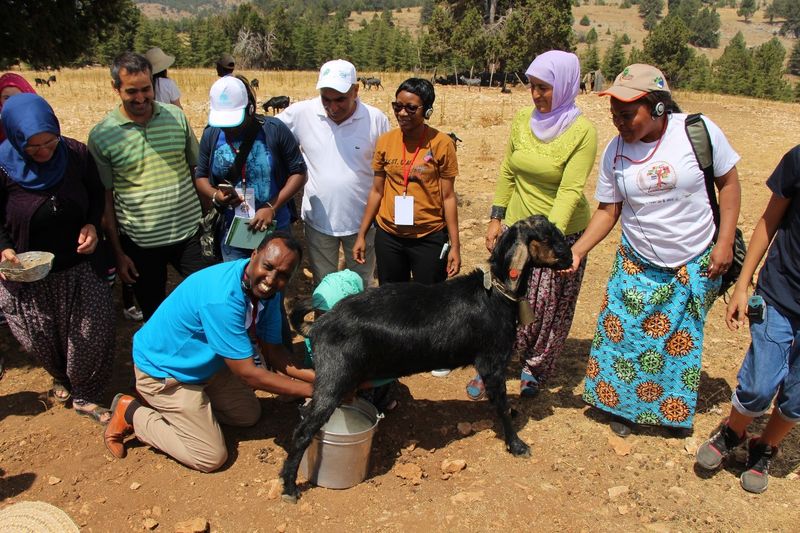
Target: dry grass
573,467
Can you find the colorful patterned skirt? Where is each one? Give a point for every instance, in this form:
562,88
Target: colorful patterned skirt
644,364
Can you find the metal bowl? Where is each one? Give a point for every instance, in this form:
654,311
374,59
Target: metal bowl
32,266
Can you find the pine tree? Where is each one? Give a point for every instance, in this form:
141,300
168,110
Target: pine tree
651,7
705,28
746,9
767,71
667,47
731,72
51,34
591,36
614,60
793,67
591,59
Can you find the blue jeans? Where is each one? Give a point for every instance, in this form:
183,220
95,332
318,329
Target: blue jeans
771,367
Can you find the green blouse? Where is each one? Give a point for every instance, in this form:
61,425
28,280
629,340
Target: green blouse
538,178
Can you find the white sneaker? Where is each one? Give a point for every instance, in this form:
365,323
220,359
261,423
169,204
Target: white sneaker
132,313
440,373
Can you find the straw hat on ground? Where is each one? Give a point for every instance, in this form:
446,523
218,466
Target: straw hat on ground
159,59
36,517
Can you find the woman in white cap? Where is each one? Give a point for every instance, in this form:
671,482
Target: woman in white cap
263,188
166,89
645,360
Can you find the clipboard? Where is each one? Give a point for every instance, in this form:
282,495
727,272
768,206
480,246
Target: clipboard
241,236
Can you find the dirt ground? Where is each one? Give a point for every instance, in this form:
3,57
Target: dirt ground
579,478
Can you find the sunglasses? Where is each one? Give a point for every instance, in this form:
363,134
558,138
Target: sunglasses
33,149
410,108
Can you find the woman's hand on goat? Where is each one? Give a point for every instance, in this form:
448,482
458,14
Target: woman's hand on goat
492,232
576,263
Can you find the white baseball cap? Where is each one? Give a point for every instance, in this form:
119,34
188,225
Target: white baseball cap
338,75
228,98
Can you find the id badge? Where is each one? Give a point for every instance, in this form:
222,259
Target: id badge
404,210
247,208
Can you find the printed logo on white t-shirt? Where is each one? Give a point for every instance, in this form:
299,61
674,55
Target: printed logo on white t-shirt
657,178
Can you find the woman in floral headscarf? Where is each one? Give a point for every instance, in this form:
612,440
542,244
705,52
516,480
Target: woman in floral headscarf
11,84
550,153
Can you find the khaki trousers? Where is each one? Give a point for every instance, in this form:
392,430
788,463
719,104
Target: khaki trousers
323,255
183,420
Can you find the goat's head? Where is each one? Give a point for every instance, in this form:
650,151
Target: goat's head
531,242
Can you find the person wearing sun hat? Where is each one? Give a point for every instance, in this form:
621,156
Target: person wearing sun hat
338,133
274,170
645,360
166,89
225,65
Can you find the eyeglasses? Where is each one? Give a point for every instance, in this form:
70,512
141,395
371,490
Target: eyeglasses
410,108
33,149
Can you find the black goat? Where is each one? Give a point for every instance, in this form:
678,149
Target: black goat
52,78
399,329
276,103
254,83
41,82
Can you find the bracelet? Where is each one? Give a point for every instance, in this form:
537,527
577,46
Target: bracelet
498,212
267,204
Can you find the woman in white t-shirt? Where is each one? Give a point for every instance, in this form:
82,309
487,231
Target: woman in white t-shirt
166,90
644,364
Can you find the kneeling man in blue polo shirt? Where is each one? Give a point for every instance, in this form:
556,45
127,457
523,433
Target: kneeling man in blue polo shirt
194,358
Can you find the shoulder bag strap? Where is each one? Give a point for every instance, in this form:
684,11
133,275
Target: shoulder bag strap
250,135
700,140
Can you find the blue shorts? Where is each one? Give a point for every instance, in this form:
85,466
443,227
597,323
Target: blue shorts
771,368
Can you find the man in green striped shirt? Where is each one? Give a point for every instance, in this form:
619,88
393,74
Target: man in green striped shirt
146,152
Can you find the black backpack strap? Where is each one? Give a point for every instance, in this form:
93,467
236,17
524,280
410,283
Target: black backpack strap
697,132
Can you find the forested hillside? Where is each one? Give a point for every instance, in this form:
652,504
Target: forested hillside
685,38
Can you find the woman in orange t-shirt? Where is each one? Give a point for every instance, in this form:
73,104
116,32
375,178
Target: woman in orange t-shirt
413,199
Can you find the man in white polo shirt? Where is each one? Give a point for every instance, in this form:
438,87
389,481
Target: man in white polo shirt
337,133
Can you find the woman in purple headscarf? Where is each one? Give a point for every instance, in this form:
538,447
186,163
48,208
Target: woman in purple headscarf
51,199
550,152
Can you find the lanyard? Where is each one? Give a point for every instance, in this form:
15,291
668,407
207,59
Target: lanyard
619,155
253,308
407,171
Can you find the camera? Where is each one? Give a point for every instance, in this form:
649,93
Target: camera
756,310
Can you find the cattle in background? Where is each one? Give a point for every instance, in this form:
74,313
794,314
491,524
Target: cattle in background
455,138
51,79
469,82
445,80
371,82
254,83
276,103
41,81
485,79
